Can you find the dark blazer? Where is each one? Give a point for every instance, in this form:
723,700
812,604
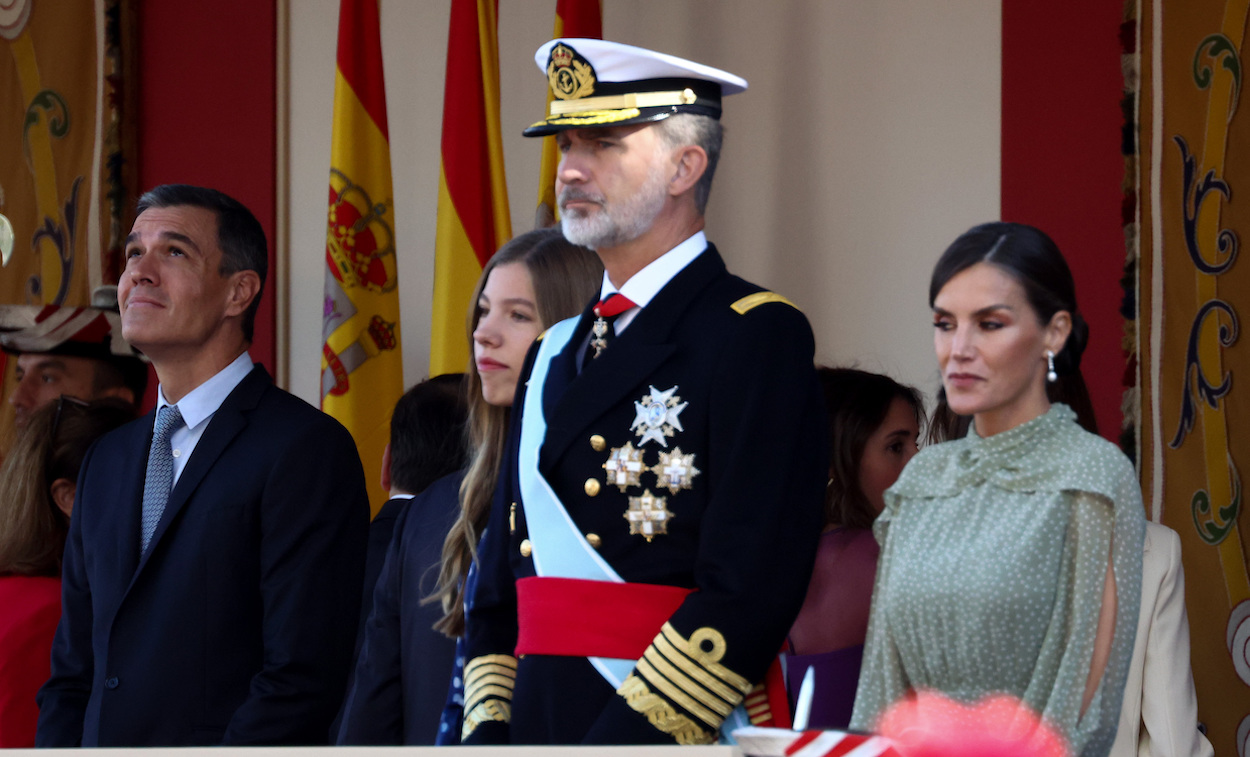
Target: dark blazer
743,535
401,677
237,624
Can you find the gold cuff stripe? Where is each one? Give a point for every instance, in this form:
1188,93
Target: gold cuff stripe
617,102
759,298
676,695
659,714
489,676
708,661
488,692
483,713
664,668
757,719
506,660
692,669
756,710
592,118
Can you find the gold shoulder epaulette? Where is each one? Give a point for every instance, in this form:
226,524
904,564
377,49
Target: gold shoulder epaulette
759,298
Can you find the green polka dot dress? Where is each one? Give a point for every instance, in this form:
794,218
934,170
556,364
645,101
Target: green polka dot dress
994,553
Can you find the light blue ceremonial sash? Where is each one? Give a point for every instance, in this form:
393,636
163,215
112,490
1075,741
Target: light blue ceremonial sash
559,549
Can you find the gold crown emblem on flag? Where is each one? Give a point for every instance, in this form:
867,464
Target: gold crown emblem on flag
570,75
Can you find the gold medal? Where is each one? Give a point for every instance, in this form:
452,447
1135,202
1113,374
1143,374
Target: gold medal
648,515
624,466
675,471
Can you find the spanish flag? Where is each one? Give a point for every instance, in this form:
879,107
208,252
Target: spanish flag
574,18
361,364
473,216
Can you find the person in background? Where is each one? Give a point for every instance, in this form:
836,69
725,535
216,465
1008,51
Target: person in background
212,576
1011,558
73,351
38,479
874,423
1160,713
406,661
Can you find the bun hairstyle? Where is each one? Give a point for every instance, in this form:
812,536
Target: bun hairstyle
1032,258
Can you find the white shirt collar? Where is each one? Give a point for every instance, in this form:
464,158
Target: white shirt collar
643,286
202,401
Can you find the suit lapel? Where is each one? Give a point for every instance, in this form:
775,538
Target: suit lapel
225,425
127,513
606,380
563,367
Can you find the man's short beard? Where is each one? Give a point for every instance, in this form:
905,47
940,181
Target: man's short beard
612,226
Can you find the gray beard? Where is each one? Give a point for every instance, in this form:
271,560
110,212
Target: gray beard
611,227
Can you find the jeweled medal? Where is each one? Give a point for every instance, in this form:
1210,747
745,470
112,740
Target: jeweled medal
675,471
657,416
624,466
648,515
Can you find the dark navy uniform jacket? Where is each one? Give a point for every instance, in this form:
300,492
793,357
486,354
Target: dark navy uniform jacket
743,535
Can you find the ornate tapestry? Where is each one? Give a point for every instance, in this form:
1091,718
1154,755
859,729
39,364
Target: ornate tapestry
1194,367
66,150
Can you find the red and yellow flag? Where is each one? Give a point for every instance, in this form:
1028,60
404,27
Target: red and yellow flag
361,364
574,18
473,216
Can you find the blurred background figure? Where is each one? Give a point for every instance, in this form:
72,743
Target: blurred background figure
38,480
71,351
874,423
401,691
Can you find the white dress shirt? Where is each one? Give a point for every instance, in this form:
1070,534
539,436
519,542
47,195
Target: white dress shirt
198,407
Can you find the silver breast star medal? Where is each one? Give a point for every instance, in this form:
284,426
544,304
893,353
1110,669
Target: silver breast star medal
624,466
648,515
675,471
657,416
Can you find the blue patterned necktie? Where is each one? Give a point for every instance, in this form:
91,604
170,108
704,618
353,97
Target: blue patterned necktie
160,477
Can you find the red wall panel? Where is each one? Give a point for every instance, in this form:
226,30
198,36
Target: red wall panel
207,112
1062,168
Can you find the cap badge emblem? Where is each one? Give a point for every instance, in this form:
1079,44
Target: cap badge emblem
570,75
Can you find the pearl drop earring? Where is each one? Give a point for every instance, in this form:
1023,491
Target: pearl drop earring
1051,376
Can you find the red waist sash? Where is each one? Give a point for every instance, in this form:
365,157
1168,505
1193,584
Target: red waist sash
575,617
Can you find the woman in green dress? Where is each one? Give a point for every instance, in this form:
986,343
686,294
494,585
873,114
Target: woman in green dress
1011,558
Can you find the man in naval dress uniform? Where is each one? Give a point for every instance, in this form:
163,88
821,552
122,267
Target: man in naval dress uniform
658,509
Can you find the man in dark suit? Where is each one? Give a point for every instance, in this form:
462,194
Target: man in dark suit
212,573
403,665
655,524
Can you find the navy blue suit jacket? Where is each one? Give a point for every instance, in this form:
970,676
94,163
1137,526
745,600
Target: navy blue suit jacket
237,624
405,665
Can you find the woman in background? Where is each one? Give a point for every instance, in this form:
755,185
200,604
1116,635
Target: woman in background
533,281
38,481
873,425
1011,558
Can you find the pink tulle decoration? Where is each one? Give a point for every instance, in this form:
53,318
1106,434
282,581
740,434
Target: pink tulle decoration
928,724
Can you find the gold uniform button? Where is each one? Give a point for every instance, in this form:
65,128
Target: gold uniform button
594,540
598,443
592,487
527,549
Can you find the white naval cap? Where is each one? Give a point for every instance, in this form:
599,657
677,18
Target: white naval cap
594,82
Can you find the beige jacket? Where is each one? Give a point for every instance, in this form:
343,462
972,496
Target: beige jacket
1160,713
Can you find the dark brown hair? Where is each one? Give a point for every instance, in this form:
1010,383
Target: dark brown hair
565,278
1034,261
856,403
51,446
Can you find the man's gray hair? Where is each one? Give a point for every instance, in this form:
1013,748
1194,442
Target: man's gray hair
681,129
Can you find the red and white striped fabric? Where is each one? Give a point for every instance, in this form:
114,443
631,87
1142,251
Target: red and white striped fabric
781,742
